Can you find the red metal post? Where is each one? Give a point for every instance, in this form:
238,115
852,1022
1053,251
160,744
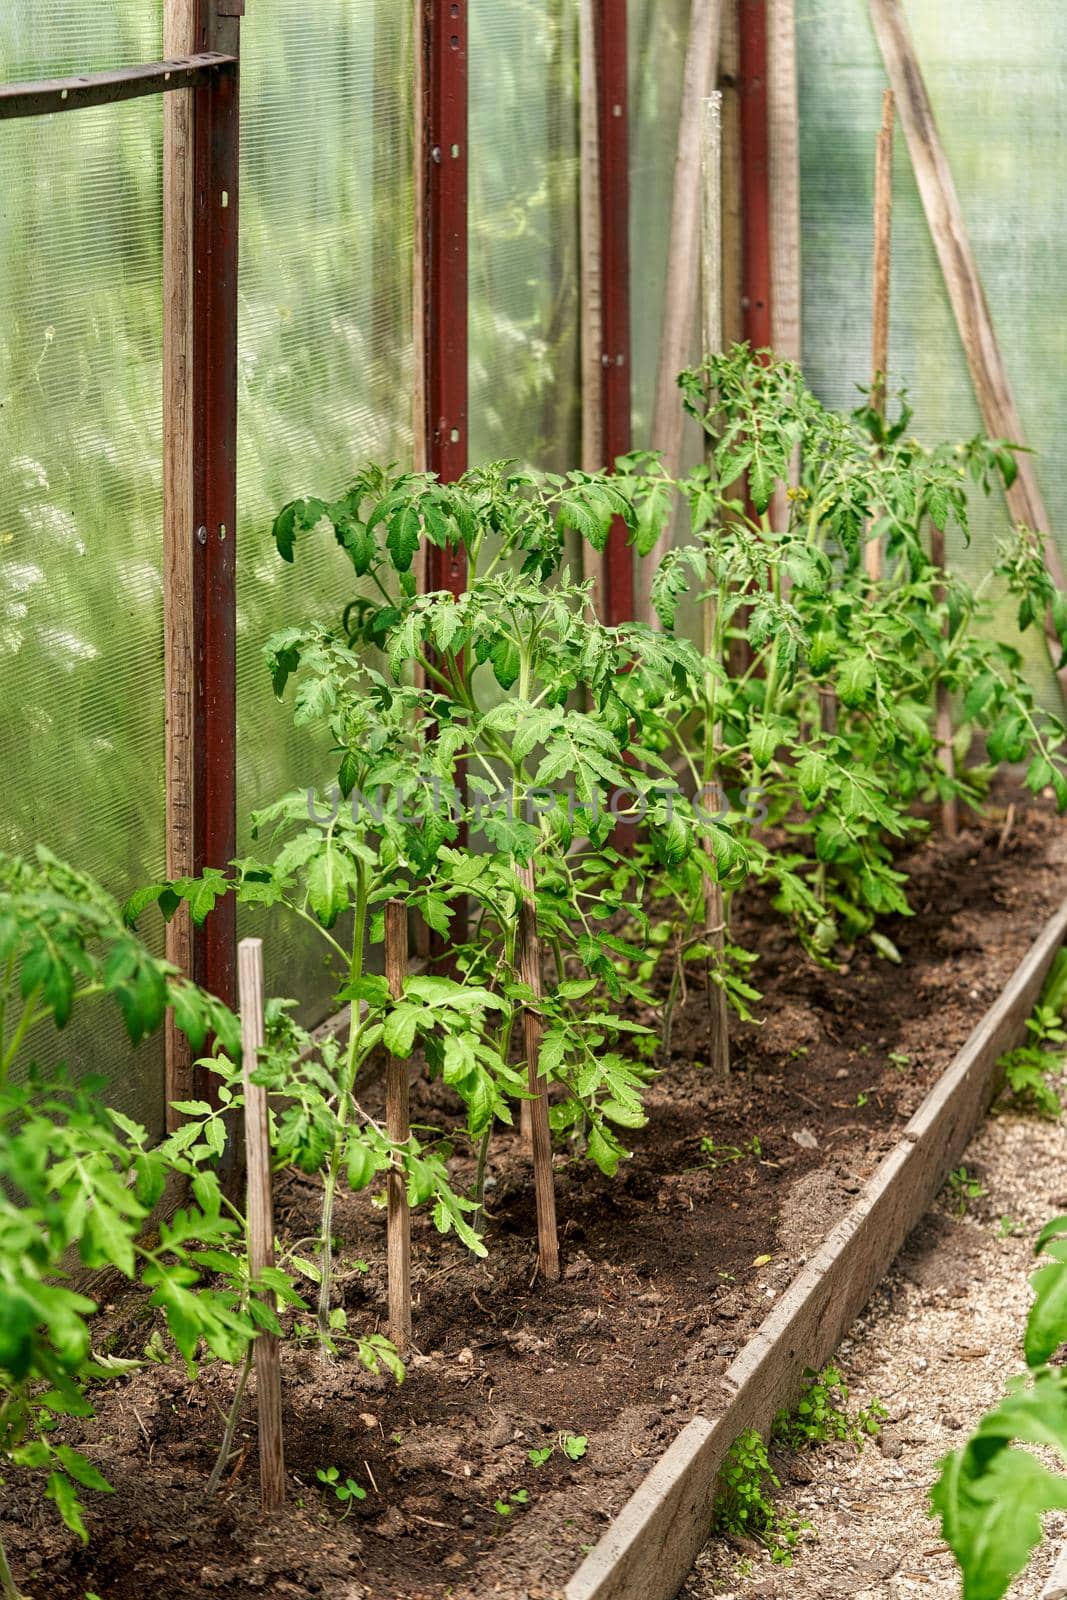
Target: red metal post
444,165
755,175
612,109
215,216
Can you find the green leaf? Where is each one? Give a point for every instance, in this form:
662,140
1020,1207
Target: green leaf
403,538
60,1489
331,878
991,1510
81,1469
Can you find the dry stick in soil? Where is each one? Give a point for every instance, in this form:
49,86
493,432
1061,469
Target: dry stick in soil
533,1028
398,1127
948,229
683,256
260,1222
711,320
883,246
950,819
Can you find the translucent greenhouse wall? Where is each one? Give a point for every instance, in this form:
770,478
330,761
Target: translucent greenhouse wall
524,264
996,75
326,351
81,658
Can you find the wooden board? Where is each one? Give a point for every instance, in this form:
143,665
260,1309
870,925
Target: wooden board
654,1540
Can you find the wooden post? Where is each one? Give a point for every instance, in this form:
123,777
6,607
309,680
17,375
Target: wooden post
948,229
683,258
398,1127
591,288
950,820
179,35
533,1028
883,243
711,330
733,266
260,1222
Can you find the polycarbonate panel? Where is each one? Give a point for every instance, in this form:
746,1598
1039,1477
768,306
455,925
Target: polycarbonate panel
657,34
524,264
326,361
81,653
58,38
996,76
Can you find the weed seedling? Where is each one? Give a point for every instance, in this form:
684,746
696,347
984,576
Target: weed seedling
822,1414
963,1190
516,1500
745,1507
539,1458
347,1492
573,1445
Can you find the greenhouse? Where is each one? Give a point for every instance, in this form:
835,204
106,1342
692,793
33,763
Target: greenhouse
533,889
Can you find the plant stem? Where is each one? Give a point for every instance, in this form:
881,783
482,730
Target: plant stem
26,1021
230,1433
7,1583
479,1178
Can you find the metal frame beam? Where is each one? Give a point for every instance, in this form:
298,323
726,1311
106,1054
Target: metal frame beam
46,96
214,499
612,109
442,163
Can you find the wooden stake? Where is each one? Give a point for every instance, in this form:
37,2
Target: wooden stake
260,1222
948,228
398,1127
950,818
883,242
533,1028
179,31
683,257
711,330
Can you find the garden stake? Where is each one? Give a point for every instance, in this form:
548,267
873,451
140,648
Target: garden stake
948,229
950,817
711,320
540,1136
783,185
398,1127
260,1222
883,242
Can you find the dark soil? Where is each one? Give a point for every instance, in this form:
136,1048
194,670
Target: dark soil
667,1271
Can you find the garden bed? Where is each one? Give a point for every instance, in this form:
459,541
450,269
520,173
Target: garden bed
666,1273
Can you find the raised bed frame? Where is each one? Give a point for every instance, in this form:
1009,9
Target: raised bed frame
652,1543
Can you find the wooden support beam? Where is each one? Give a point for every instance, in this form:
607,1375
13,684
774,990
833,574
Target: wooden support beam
783,143
883,259
948,229
711,332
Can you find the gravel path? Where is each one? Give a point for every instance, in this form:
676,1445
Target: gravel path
935,1346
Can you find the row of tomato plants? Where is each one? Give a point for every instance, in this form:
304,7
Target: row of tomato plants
487,747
